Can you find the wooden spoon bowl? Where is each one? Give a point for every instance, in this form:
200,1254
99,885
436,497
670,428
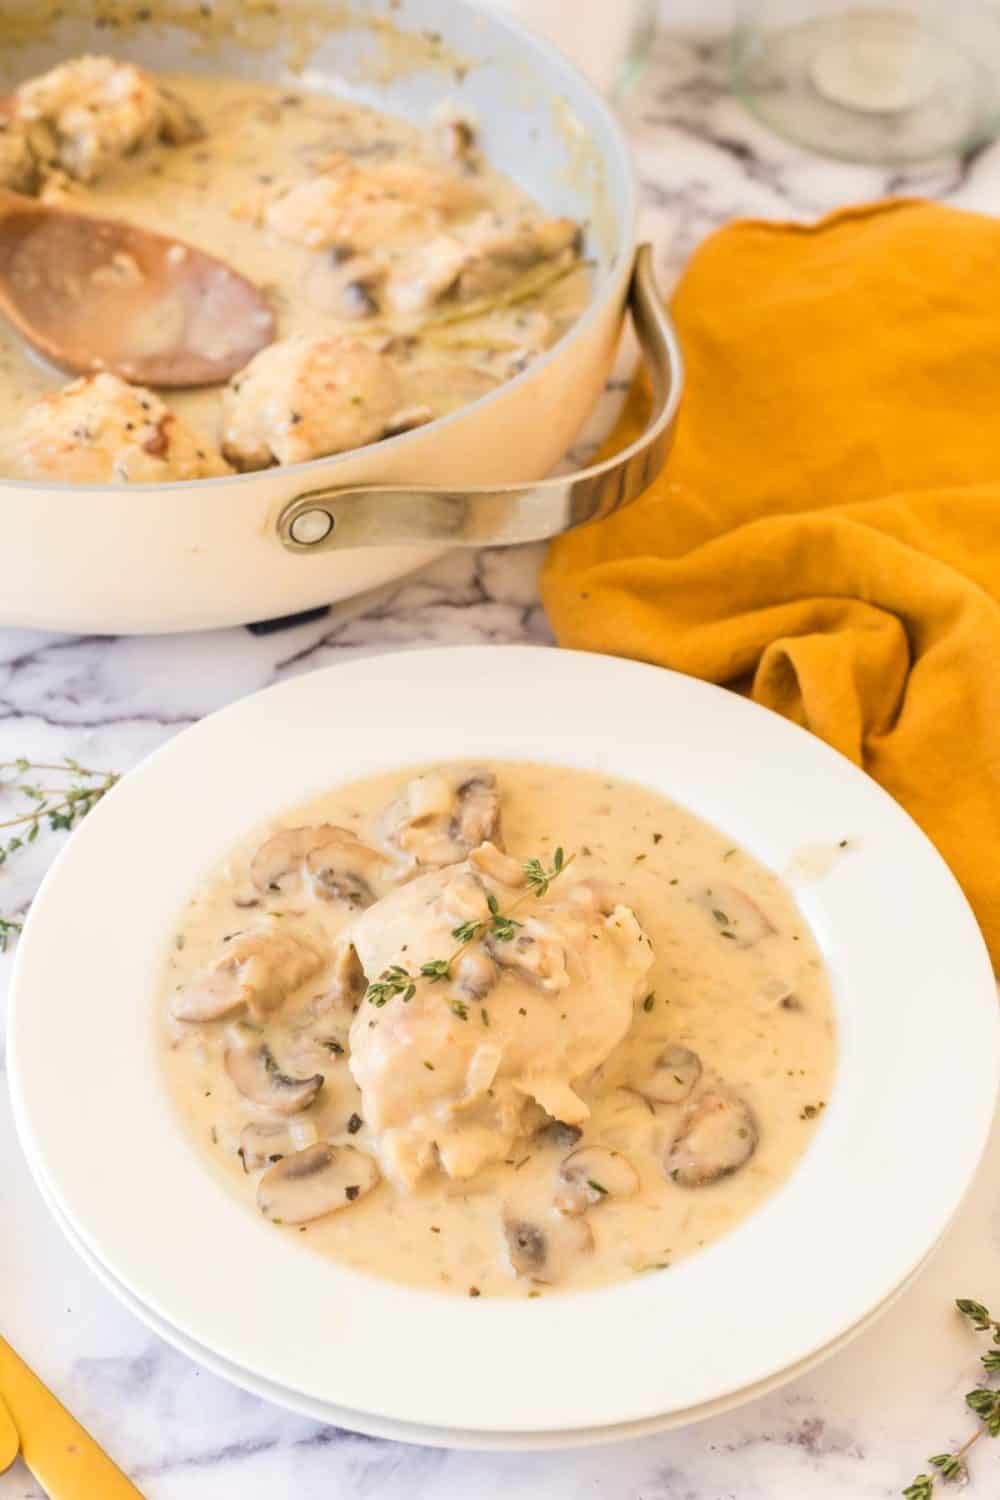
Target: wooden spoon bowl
98,294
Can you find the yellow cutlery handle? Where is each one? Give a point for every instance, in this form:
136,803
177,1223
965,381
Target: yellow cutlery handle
64,1458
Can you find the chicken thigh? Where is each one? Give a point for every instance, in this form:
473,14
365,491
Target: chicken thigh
452,1072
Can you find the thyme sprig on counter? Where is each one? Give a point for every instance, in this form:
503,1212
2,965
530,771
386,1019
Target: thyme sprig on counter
58,808
397,980
984,1401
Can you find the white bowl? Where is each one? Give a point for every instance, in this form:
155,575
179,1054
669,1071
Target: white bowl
450,1437
904,1128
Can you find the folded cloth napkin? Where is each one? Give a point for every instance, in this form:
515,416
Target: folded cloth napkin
826,536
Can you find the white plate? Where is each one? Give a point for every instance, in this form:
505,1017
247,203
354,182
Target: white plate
915,1002
447,1437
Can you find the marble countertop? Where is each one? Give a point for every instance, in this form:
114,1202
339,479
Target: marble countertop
857,1428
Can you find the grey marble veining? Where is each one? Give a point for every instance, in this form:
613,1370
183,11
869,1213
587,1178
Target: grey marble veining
855,1429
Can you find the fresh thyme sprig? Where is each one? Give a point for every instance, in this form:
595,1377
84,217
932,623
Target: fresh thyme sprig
396,980
57,808
984,1401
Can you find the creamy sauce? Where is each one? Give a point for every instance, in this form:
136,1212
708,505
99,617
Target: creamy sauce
744,989
260,139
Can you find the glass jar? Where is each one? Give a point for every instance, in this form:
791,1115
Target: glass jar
609,40
887,83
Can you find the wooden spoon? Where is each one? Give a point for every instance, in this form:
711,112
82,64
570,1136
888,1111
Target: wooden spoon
97,294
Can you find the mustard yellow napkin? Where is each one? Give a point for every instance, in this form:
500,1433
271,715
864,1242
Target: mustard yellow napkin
826,537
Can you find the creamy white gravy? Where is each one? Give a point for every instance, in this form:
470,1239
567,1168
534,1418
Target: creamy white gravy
736,978
214,192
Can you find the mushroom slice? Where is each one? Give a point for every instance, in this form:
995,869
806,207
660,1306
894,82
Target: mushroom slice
257,969
347,978
346,867
545,1252
592,1174
491,861
251,1065
443,814
475,974
674,1075
465,898
335,857
210,997
718,1135
737,917
535,952
314,1182
263,1141
558,1133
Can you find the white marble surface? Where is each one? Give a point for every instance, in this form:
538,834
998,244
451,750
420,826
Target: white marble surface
857,1428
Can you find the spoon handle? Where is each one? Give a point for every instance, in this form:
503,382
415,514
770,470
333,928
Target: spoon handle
63,1457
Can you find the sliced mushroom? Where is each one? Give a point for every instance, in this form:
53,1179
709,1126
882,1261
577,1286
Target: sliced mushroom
456,138
408,419
347,978
257,969
346,867
356,300
464,898
475,974
264,1141
592,1174
251,1065
535,952
558,1133
444,814
544,1252
718,1135
314,1182
737,917
210,997
491,861
335,857
674,1075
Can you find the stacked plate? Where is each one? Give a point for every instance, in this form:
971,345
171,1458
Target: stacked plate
916,1013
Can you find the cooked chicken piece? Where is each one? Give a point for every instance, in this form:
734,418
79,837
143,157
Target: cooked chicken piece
360,207
444,814
256,971
19,163
101,430
480,259
453,1075
426,274
305,397
87,114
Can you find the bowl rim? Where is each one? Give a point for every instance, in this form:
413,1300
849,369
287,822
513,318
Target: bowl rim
619,158
866,1166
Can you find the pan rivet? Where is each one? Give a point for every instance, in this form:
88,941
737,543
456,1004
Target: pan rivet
310,527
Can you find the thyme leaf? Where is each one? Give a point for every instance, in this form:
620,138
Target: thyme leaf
56,808
984,1401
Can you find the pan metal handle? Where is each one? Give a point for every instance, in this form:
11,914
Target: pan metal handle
383,515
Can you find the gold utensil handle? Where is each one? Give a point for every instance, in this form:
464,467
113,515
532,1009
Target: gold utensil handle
63,1457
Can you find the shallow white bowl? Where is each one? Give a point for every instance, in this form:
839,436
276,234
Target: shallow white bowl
453,1437
898,1144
